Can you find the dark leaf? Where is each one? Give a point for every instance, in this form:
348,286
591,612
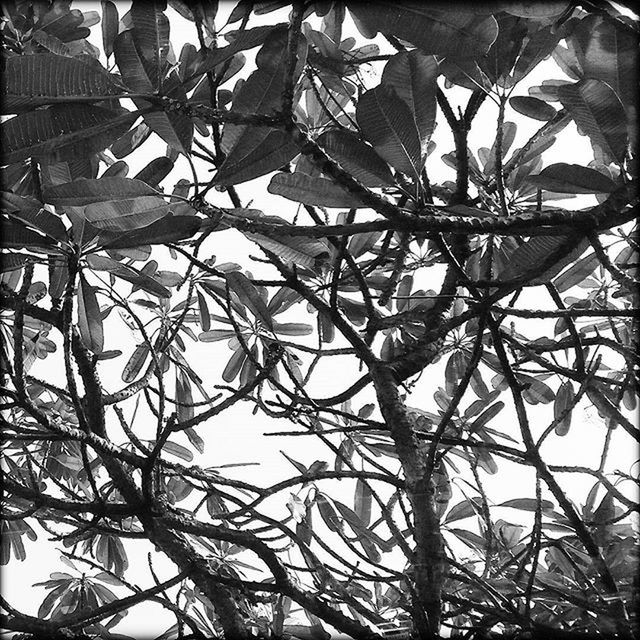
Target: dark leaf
31,81
599,114
388,124
572,178
250,297
413,77
109,25
135,362
151,36
322,192
83,192
155,172
435,30
356,157
532,107
62,132
528,257
89,318
563,402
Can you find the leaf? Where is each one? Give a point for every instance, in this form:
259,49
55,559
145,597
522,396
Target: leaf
577,272
151,36
599,114
572,178
249,296
83,192
89,318
609,53
32,81
128,273
464,509
175,129
256,151
386,122
135,362
156,171
178,451
535,251
242,40
292,328
33,215
526,504
536,391
356,157
234,365
435,30
413,77
328,513
126,215
168,229
563,401
109,25
16,236
362,501
314,191
533,107
214,335
203,310
62,132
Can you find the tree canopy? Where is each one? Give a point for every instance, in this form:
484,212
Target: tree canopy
457,354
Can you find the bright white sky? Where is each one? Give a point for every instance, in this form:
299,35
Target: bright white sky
237,436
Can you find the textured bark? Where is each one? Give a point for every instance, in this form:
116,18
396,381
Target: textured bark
429,558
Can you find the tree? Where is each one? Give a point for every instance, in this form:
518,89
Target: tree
472,317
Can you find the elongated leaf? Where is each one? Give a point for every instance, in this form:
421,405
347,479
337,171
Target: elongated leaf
109,25
175,129
388,124
435,30
30,212
234,365
151,36
31,81
413,76
135,277
563,402
322,192
89,318
526,504
356,157
62,132
135,363
242,40
572,178
328,513
250,297
130,64
362,501
255,151
532,107
83,192
156,171
293,328
126,215
170,228
16,236
577,272
599,114
178,450
214,335
609,53
535,251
